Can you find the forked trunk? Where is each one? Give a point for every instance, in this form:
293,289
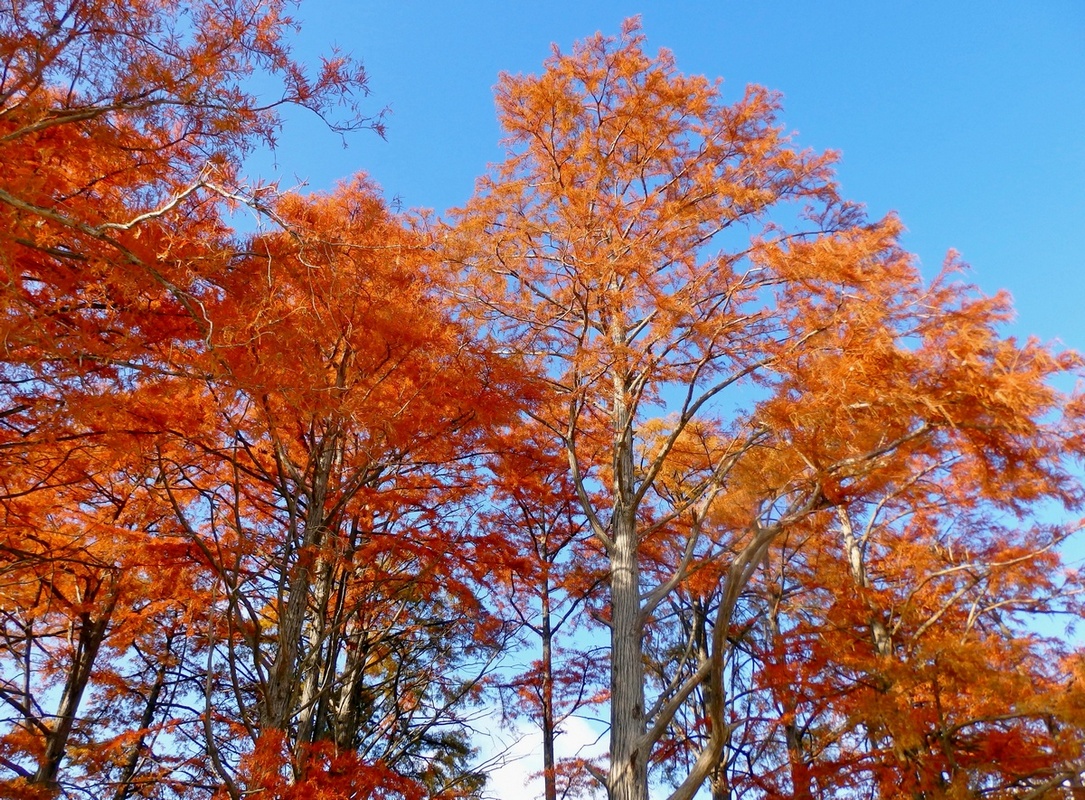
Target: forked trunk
88,634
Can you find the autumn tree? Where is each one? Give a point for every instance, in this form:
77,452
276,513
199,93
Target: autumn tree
925,672
548,588
330,496
121,124
735,357
120,127
231,476
272,505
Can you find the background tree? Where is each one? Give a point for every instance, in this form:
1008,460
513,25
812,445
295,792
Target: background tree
330,497
711,387
555,574
115,119
225,548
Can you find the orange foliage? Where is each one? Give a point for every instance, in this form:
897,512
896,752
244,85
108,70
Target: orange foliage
273,507
813,476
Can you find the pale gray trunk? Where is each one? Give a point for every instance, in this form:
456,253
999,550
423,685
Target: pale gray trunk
883,642
628,777
550,786
349,705
315,677
284,682
282,687
353,703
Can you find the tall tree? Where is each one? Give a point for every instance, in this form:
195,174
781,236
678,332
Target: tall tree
198,507
331,499
716,391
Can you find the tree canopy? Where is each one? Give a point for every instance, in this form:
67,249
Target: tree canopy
656,427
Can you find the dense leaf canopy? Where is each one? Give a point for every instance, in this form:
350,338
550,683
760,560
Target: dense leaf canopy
656,427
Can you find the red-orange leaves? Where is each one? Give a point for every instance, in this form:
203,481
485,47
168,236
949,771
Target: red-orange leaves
273,506
740,388
326,774
210,448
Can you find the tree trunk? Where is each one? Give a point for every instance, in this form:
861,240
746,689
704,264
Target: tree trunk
628,778
131,764
550,783
284,686
718,783
91,633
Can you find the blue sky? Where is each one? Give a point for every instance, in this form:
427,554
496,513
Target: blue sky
967,118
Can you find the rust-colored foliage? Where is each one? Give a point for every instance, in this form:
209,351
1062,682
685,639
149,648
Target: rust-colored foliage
554,575
813,477
275,507
235,469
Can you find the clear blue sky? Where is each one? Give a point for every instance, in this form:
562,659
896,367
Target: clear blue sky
966,117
